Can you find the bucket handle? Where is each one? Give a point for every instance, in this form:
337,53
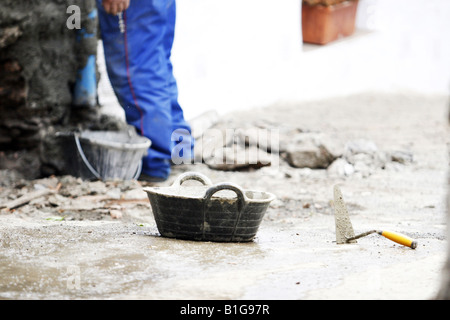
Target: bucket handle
192,176
242,203
91,168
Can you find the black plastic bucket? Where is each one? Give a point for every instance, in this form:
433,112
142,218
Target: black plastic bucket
199,213
104,155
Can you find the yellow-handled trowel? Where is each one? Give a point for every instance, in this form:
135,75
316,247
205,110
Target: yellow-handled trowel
344,228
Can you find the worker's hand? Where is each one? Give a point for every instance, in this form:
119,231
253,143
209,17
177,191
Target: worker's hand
115,6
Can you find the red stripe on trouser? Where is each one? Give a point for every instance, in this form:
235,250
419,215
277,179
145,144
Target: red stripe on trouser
128,73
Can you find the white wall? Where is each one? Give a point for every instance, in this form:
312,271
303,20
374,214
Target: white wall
235,54
231,54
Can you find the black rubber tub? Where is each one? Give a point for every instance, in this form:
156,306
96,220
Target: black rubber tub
222,212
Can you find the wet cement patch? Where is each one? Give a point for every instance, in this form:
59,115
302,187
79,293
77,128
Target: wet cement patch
116,260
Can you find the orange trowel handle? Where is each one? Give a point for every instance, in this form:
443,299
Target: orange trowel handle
399,238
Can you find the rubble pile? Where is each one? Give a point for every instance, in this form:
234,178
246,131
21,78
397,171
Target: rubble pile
280,152
225,146
70,198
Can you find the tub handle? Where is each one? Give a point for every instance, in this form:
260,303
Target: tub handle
242,203
192,176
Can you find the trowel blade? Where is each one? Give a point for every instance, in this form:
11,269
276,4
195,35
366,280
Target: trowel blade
344,228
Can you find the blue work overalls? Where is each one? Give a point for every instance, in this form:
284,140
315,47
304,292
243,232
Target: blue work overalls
139,68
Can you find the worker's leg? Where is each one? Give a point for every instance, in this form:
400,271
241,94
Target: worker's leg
182,130
137,67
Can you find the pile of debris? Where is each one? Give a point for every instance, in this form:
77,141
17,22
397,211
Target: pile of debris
223,146
70,198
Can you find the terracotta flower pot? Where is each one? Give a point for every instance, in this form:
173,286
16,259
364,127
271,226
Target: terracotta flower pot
322,24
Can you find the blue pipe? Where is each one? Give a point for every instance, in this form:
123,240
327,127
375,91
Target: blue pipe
85,91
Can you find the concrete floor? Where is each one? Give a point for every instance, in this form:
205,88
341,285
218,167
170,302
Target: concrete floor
294,256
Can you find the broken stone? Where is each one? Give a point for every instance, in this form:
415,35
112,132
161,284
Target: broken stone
115,214
57,200
364,156
340,168
26,198
50,182
363,170
134,194
237,157
312,150
361,146
266,139
309,155
114,193
402,157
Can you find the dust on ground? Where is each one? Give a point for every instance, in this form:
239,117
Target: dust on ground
99,240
